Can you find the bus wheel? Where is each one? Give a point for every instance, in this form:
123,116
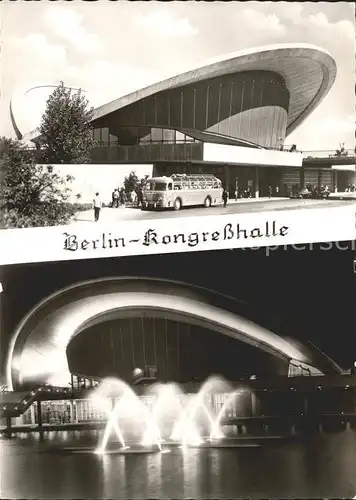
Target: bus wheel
207,202
177,204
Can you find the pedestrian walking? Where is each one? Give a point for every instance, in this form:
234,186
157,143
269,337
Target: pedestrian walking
122,197
115,198
225,197
97,204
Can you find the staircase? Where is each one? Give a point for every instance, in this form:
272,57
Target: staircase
14,404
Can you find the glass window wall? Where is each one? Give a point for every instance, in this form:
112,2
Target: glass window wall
103,138
138,135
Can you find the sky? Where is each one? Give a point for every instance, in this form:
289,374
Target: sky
110,49
89,179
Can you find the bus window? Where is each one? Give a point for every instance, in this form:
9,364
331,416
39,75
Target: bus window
170,187
160,186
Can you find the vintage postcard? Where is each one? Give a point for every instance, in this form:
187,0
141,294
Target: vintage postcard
177,250
149,115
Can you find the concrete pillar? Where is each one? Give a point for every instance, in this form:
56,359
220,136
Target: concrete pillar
257,182
335,181
254,404
73,412
227,178
32,410
39,414
302,177
236,187
8,427
348,426
293,430
320,428
244,429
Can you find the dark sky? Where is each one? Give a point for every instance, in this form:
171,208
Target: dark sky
307,294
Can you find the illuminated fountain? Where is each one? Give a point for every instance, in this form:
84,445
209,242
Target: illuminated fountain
126,412
168,417
197,412
216,432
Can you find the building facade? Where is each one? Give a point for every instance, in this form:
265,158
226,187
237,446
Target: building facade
251,100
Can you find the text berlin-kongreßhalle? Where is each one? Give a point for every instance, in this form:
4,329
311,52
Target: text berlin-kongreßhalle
153,237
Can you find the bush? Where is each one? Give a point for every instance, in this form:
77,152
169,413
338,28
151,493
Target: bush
80,207
45,216
32,195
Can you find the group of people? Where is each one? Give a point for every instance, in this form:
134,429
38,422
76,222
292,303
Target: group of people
243,193
342,151
311,190
120,197
273,191
247,193
351,188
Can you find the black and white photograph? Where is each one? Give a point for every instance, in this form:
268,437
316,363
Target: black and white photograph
227,374
129,111
177,250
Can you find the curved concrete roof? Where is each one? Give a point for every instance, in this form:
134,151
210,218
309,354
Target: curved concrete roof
38,350
309,72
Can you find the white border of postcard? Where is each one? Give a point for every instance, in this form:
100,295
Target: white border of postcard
248,230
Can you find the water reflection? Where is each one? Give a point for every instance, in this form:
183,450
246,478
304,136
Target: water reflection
321,466
155,478
172,473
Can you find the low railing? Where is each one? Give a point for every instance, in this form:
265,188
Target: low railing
329,154
17,408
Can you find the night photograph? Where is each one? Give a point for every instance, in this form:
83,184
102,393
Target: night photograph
195,366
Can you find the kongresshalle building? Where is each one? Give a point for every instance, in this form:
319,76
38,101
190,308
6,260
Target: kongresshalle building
230,118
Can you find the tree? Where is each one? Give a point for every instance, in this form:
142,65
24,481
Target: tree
31,195
66,131
131,182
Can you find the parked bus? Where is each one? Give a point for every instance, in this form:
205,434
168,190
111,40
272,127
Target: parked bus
181,190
